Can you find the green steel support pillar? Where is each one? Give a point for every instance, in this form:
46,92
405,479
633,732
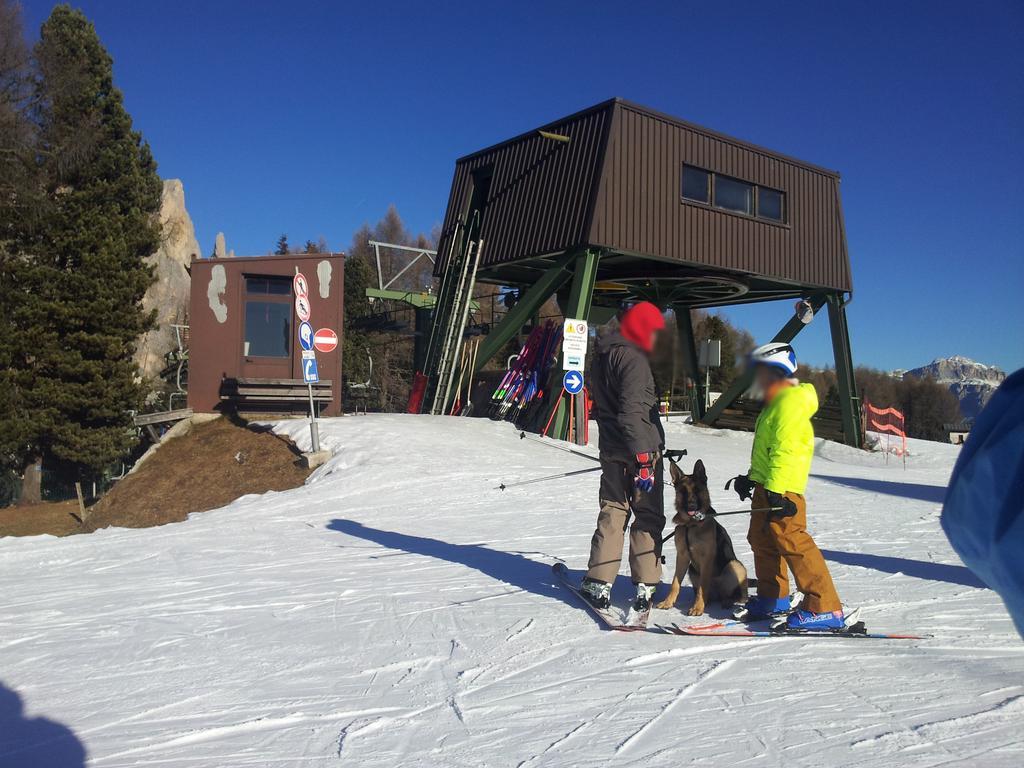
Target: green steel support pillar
745,379
581,294
684,327
530,302
849,403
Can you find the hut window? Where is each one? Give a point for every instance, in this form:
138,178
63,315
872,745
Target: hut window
770,204
696,184
734,195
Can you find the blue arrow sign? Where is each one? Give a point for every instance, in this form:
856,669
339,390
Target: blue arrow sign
573,382
306,335
310,375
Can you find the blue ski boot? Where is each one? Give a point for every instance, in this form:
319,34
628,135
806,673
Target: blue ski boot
758,607
807,620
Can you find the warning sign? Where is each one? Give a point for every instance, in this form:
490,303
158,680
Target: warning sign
575,334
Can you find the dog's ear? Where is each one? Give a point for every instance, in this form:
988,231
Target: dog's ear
699,472
675,472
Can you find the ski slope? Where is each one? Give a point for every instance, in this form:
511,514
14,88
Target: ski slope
398,610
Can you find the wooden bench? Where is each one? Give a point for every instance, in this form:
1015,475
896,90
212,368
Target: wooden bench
273,396
149,421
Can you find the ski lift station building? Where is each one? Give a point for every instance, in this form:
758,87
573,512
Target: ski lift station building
619,202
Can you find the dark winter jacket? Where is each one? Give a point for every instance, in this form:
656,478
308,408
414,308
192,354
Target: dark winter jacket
625,402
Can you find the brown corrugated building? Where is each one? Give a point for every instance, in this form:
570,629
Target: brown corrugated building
623,203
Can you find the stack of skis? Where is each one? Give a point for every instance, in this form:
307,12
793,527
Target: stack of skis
527,385
463,406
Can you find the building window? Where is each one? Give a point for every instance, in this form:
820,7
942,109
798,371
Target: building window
696,184
730,194
268,317
734,195
268,286
769,204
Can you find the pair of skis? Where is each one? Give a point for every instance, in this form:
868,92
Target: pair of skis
634,622
732,628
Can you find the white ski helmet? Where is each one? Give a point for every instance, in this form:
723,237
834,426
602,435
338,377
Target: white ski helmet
776,355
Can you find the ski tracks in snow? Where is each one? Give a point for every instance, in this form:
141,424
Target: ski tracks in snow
681,693
959,735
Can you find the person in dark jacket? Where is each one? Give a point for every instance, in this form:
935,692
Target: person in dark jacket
631,444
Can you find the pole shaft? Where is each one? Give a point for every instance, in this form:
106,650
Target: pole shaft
314,430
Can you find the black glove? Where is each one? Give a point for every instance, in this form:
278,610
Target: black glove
744,487
780,505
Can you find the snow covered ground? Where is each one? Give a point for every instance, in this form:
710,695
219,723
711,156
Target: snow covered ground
398,610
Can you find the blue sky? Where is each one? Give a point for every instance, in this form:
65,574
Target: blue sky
311,118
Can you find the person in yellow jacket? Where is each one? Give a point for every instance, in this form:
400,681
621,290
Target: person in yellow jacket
780,462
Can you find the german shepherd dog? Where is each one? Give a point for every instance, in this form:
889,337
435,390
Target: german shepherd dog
703,547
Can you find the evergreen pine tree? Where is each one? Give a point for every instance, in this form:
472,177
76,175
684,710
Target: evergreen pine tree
281,249
78,288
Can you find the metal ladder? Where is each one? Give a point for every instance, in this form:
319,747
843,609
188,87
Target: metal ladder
451,314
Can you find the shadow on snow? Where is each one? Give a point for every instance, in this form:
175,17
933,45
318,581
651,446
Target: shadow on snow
35,741
511,568
917,491
919,569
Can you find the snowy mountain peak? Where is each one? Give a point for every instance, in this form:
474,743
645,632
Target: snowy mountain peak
960,360
972,383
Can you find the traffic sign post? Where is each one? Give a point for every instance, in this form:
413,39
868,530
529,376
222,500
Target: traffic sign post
305,336
572,382
310,374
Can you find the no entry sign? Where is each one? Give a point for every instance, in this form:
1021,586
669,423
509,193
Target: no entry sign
325,340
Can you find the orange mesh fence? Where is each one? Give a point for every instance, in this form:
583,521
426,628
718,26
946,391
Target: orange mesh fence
887,420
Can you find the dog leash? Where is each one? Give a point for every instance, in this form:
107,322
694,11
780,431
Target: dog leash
725,514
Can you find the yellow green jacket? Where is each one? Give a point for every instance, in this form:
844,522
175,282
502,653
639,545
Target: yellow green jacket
784,440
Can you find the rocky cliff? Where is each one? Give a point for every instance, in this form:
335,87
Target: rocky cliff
972,383
169,295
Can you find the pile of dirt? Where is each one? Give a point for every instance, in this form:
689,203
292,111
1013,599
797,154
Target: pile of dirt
210,466
57,518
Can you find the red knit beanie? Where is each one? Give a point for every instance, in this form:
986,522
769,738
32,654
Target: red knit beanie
639,324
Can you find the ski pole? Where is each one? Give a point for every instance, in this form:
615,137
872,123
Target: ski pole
669,454
503,486
524,436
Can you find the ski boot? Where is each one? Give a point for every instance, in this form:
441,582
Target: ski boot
758,607
644,596
808,620
597,593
